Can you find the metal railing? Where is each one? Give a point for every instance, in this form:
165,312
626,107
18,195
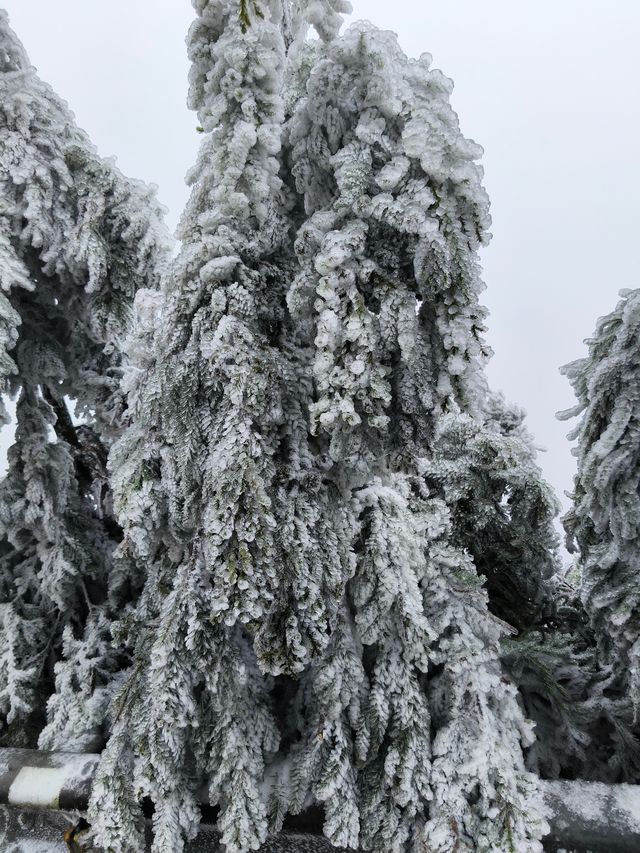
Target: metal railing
43,796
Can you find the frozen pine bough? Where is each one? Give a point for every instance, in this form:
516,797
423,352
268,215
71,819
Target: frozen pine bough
76,241
316,482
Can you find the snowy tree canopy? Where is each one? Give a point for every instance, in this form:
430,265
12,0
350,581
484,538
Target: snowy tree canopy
316,480
77,240
603,524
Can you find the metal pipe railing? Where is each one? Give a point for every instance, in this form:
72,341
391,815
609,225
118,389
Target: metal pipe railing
43,796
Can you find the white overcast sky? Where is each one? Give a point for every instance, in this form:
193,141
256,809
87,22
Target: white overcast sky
549,88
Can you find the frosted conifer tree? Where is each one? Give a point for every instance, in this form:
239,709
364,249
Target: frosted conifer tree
603,524
76,241
310,430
